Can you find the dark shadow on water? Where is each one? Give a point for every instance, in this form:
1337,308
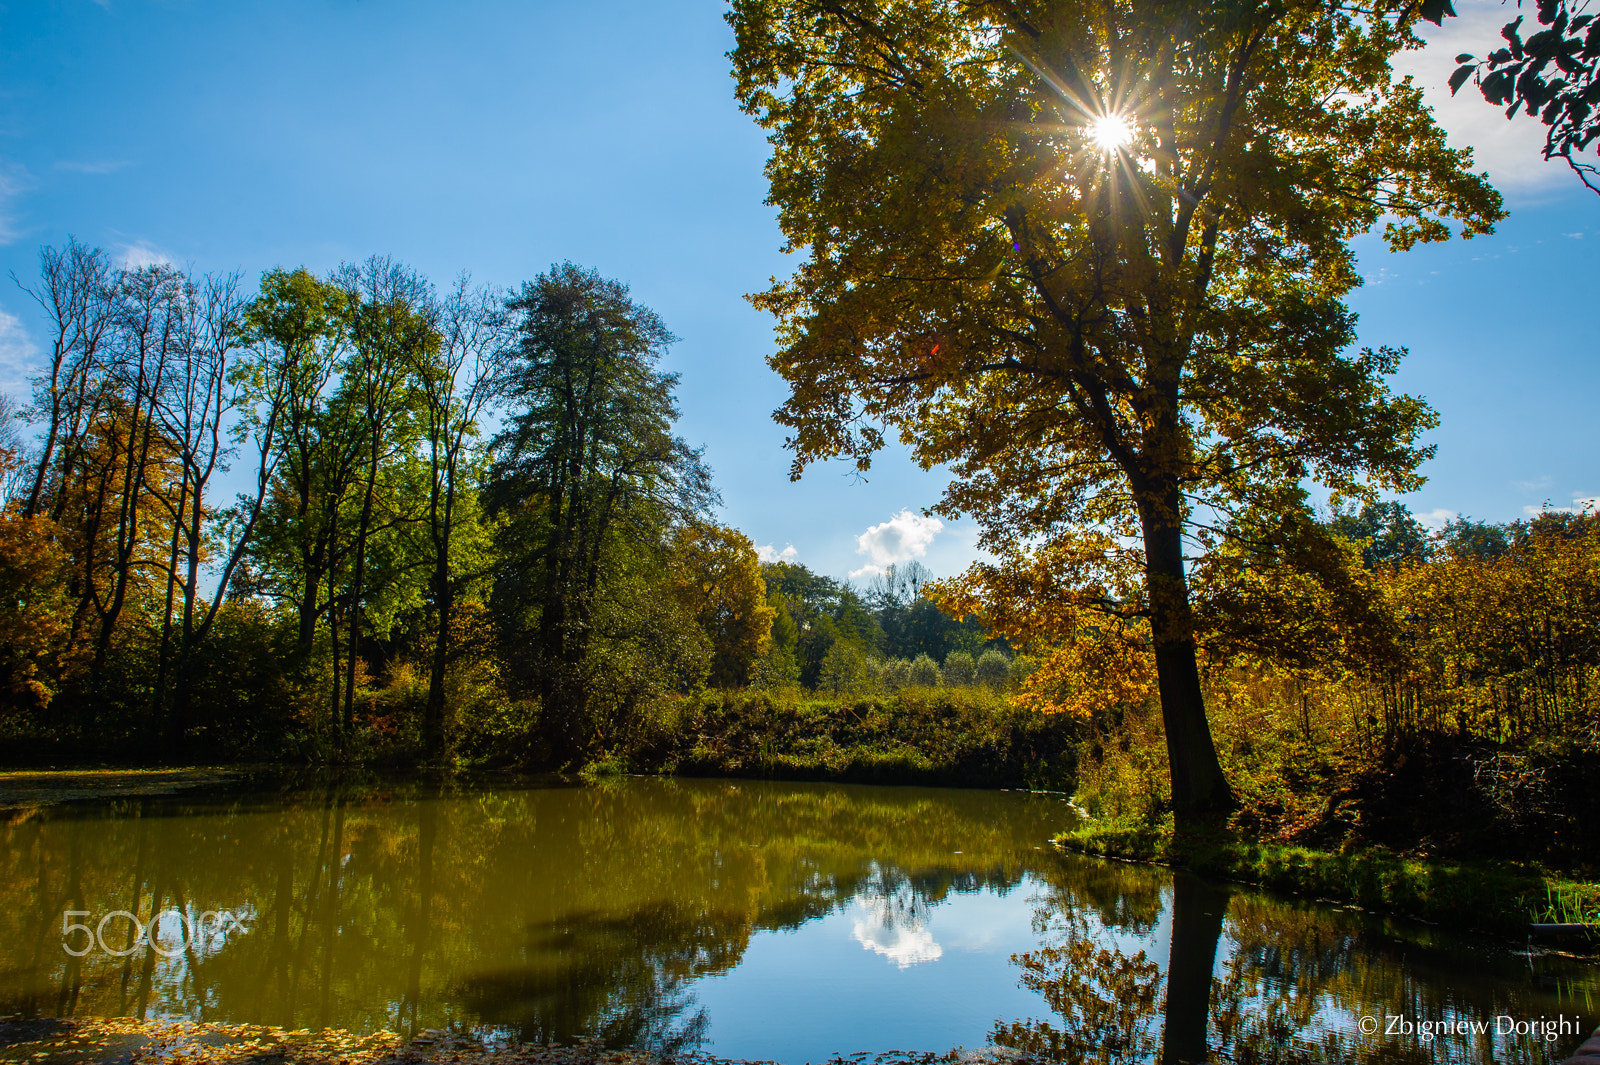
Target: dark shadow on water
622,977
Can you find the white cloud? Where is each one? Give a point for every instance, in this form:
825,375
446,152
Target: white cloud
142,253
17,352
1581,502
1509,149
1574,236
1532,486
1437,518
900,539
768,554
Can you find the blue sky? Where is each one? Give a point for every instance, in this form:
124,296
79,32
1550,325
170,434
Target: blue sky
499,137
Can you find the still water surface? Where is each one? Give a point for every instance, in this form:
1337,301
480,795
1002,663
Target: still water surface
782,921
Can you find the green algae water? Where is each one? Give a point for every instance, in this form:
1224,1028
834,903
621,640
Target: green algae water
771,921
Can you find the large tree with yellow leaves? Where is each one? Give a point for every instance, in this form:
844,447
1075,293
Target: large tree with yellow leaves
1092,258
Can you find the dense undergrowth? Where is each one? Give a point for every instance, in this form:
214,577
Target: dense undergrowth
965,737
1496,896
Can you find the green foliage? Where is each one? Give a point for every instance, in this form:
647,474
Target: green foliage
1386,532
923,673
894,674
776,670
589,480
1488,897
912,623
1466,538
993,670
819,611
964,738
844,669
960,671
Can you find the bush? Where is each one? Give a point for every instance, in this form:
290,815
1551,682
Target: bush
844,669
775,671
959,669
895,674
966,738
993,670
924,673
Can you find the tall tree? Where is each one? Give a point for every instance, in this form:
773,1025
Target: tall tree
587,465
151,315
75,294
455,382
1092,256
190,412
299,326
391,332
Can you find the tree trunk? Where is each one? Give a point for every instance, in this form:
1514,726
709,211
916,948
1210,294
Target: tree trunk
1199,789
444,601
358,591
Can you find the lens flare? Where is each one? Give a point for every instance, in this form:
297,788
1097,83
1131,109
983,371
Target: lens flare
1110,132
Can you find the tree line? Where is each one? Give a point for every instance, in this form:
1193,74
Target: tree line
379,517
352,512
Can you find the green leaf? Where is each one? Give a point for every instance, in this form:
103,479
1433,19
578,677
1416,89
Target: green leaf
1512,36
1464,57
1459,78
1436,11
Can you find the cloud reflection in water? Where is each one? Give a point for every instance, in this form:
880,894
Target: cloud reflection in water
888,926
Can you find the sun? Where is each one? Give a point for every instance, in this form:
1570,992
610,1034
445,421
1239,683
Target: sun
1110,132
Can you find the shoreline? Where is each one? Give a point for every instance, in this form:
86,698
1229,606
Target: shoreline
125,1041
1504,900
25,789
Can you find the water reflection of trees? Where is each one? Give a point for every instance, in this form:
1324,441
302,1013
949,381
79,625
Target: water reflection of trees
1293,982
545,914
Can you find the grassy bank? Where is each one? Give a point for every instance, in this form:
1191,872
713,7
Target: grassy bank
963,737
1499,897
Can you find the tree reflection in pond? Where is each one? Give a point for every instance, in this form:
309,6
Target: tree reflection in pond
1103,997
615,910
540,914
1252,979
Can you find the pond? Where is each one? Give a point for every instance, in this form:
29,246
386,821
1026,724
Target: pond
739,919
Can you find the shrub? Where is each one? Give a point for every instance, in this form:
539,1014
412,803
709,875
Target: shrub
844,669
967,738
993,670
924,673
777,670
895,674
959,669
